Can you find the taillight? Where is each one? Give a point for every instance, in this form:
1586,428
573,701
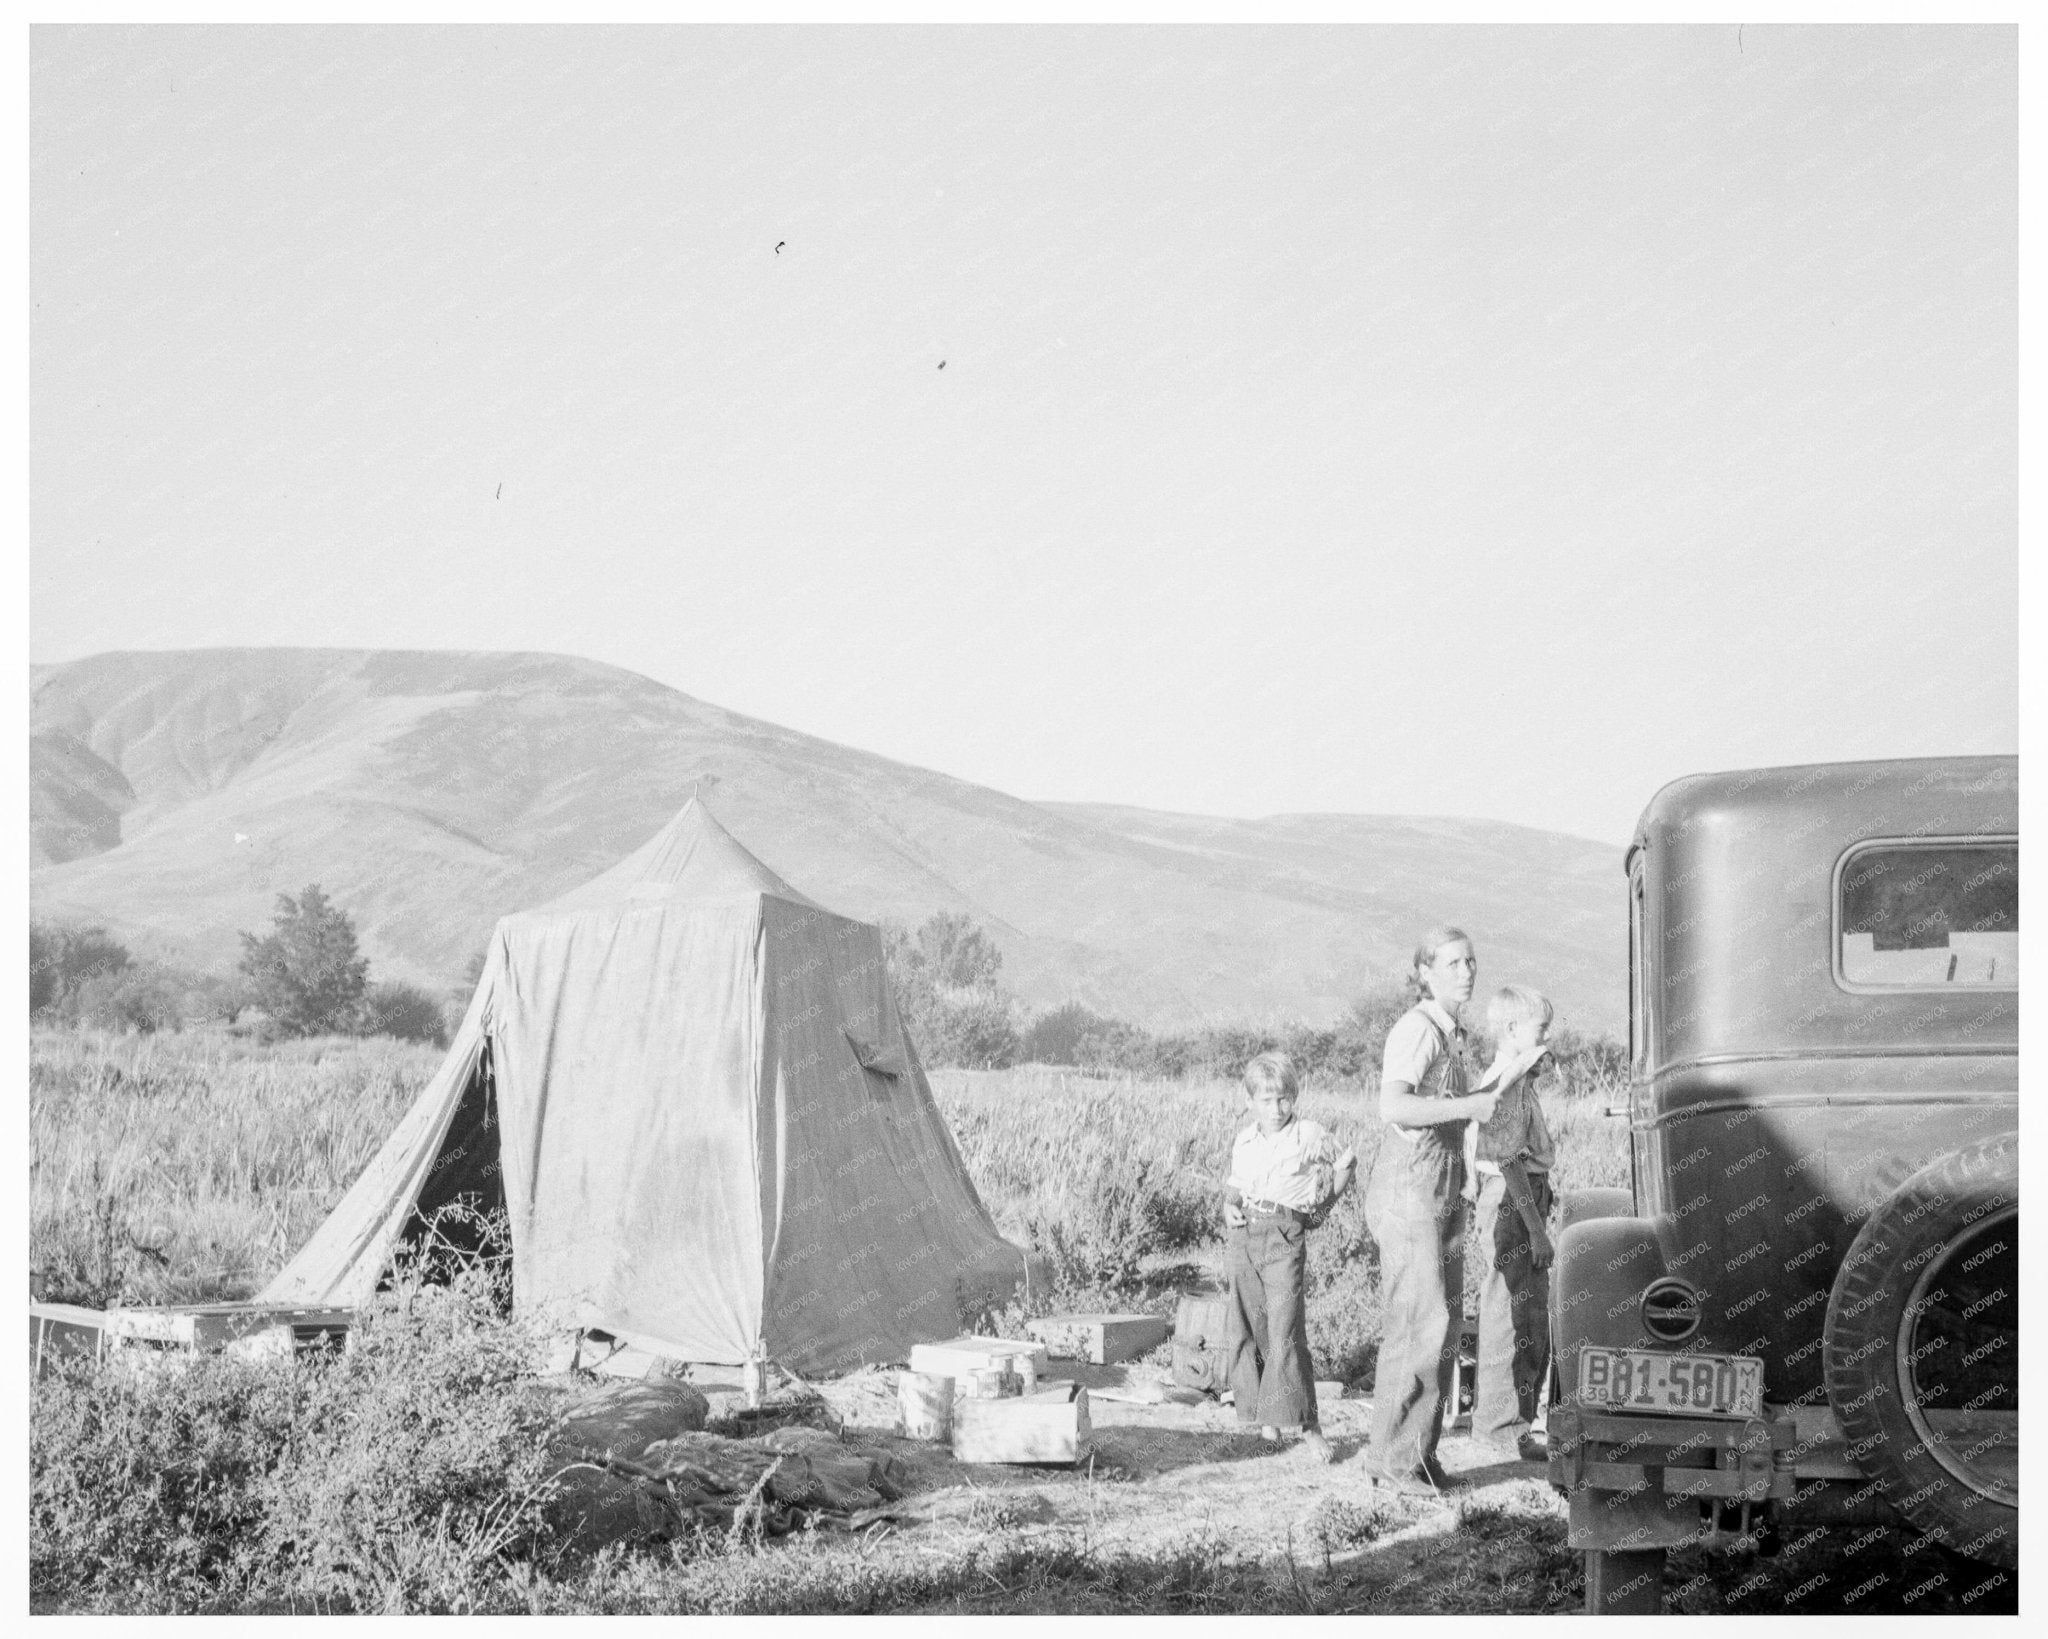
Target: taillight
1671,1309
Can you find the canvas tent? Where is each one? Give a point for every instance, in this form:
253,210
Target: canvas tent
689,1088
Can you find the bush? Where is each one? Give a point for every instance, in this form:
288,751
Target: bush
143,999
145,1484
1056,1036
421,1468
62,958
305,972
404,1011
410,1474
971,1029
1347,1053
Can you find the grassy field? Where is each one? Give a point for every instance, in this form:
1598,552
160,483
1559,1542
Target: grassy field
1118,1181
187,1167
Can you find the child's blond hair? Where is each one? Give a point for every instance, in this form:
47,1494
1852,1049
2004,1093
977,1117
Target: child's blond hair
1513,1004
1271,1070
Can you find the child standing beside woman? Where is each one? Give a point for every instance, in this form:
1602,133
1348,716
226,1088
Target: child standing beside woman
1508,1162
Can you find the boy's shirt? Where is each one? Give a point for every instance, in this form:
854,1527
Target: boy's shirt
1518,1130
1290,1168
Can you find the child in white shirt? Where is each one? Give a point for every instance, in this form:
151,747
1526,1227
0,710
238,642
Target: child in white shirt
1284,1176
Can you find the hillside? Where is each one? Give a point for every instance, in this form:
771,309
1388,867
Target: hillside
174,795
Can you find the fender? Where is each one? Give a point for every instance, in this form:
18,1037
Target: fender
1579,1205
1602,1266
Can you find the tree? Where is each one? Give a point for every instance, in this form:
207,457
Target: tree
944,976
306,973
957,953
61,958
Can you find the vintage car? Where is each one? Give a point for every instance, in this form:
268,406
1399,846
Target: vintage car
1806,1308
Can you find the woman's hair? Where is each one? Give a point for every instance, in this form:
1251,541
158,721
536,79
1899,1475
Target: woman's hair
1513,1002
1271,1070
1428,945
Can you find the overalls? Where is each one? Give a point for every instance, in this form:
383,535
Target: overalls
1416,1213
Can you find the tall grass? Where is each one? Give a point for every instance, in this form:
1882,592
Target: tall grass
1119,1181
184,1168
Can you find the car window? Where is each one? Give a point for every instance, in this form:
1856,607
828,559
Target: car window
1929,915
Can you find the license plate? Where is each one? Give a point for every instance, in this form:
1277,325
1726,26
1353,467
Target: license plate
1681,1385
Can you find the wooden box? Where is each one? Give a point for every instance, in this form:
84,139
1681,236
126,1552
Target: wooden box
1101,1340
254,1327
1048,1427
1204,1341
974,1354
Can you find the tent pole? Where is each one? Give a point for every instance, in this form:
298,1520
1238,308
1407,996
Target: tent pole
754,1380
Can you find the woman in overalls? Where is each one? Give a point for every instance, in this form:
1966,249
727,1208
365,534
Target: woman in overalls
1415,1210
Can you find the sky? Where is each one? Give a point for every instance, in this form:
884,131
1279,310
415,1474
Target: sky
1491,422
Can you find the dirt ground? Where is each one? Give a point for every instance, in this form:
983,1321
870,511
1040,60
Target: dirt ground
1160,1470
1166,1479
1164,1474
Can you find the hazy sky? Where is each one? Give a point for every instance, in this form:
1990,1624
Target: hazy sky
1482,421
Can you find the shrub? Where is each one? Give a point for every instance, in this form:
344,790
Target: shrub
405,1012
1056,1036
420,1468
145,1484
143,999
410,1474
306,973
969,1028
1345,1053
61,958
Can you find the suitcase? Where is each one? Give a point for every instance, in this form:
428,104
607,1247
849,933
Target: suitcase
1204,1337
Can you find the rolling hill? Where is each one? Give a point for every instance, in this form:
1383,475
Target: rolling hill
174,795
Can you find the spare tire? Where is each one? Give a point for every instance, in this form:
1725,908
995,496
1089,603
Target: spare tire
1922,1349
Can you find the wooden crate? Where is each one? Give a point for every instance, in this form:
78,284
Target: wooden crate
59,1331
975,1354
254,1327
1204,1341
1101,1340
1048,1427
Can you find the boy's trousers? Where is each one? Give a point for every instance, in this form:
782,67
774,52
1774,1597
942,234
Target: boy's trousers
1269,1368
1514,1315
1417,1216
